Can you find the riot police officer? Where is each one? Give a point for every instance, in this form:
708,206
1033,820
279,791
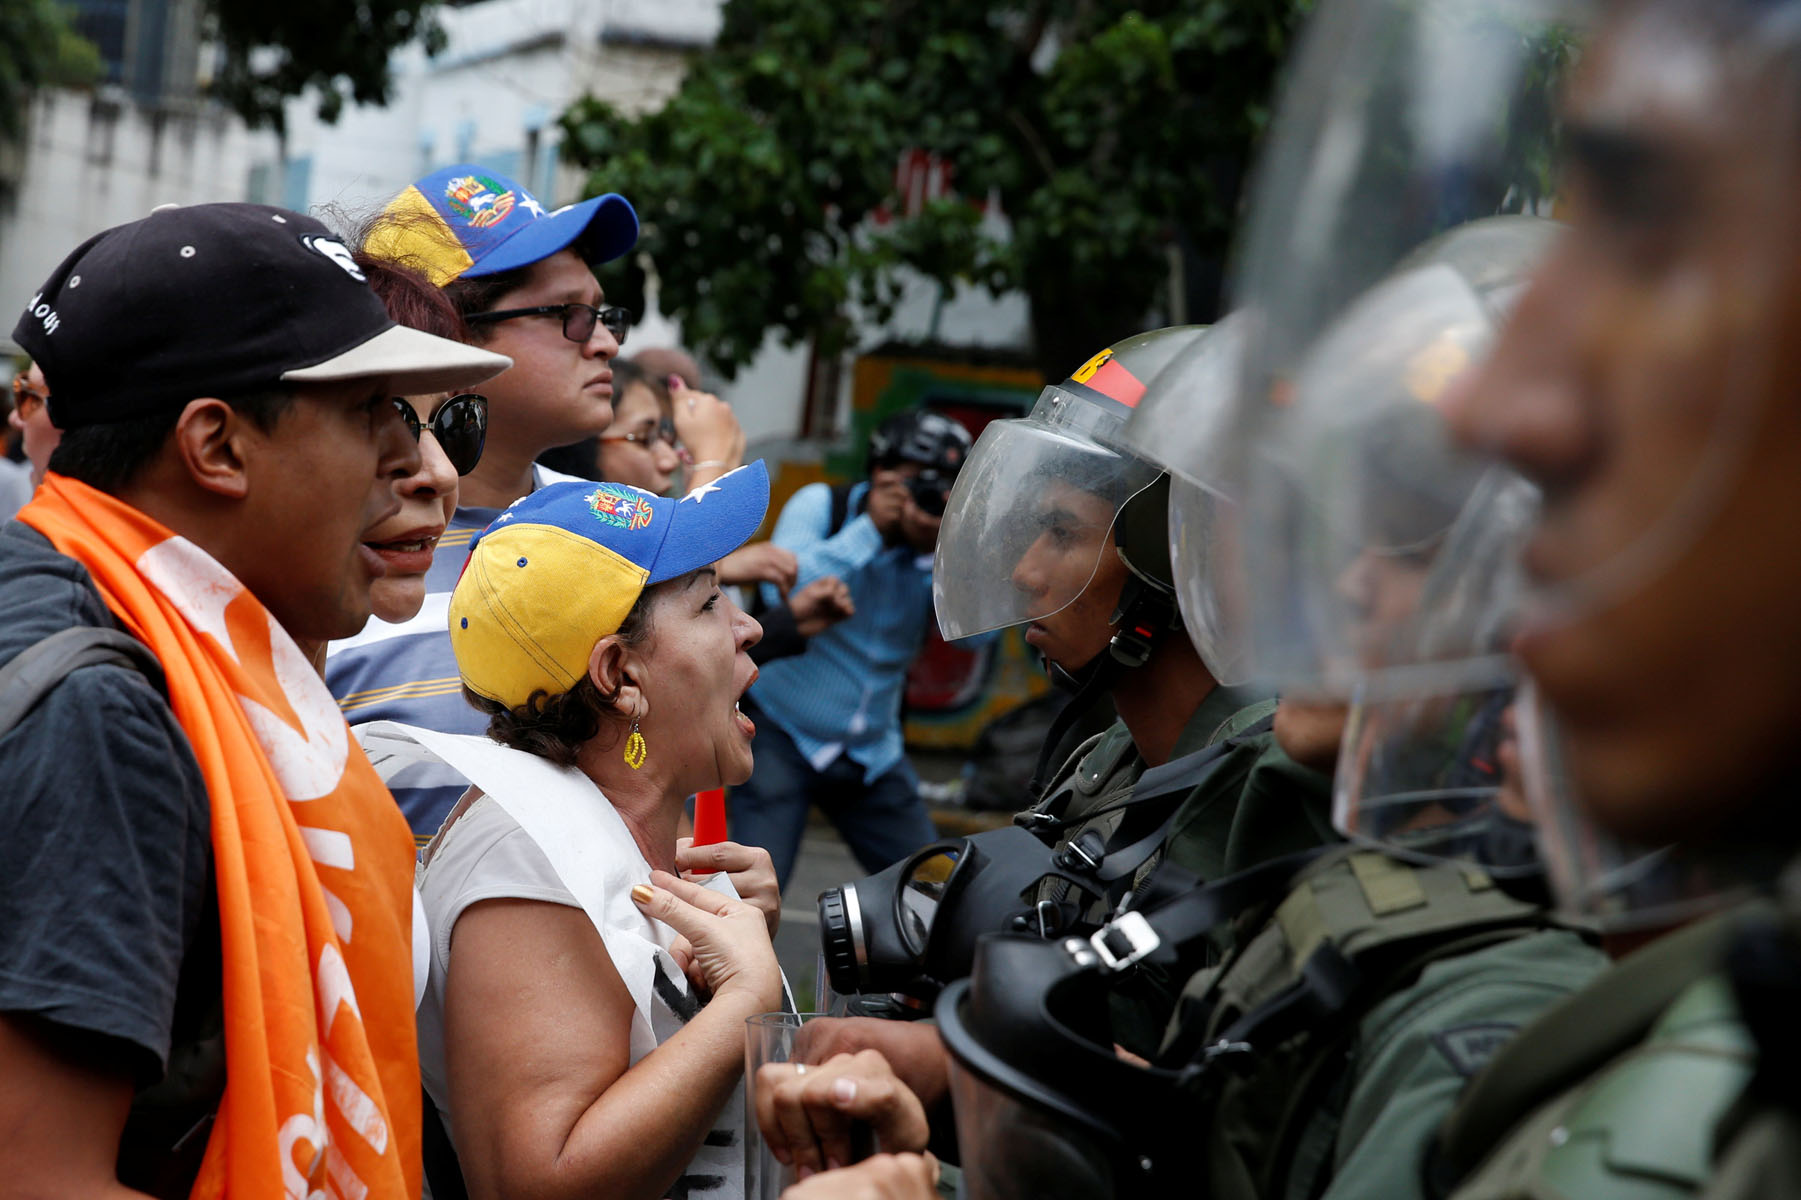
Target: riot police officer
1055,526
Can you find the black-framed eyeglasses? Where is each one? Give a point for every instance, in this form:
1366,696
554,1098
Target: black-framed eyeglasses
664,432
578,319
460,425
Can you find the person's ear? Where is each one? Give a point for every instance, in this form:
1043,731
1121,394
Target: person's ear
614,668
210,439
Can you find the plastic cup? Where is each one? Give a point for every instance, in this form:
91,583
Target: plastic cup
773,1037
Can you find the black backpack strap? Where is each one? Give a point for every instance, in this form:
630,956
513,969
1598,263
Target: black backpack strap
30,676
841,507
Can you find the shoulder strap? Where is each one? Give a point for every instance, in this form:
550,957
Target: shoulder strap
1048,808
1571,1040
841,507
30,676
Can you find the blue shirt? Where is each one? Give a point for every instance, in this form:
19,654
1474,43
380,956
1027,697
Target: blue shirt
843,695
407,672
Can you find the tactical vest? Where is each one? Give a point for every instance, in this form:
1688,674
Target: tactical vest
1273,1027
1620,1093
1097,791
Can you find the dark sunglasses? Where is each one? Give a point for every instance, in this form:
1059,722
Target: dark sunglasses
664,432
460,425
23,391
578,319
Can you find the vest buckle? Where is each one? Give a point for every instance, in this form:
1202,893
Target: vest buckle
1124,942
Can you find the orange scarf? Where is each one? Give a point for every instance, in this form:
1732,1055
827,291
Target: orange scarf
314,863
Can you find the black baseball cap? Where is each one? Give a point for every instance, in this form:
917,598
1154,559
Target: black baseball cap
221,300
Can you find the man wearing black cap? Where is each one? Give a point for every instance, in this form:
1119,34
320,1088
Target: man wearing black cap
202,877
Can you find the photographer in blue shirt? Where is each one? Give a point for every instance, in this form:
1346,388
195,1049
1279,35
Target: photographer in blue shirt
829,720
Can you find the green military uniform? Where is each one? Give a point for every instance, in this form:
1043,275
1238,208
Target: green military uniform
1100,775
1254,806
1257,804
1336,1090
1626,1091
1279,807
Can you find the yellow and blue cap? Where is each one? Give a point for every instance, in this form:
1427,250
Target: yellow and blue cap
562,567
465,221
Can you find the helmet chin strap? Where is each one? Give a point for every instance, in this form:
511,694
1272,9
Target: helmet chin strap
1145,614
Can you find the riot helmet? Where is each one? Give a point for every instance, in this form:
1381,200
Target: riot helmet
1188,423
1045,1105
1380,543
1054,508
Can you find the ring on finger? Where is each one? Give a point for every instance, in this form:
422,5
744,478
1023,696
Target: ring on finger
800,1068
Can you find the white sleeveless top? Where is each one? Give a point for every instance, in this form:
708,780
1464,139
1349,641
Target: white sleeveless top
544,832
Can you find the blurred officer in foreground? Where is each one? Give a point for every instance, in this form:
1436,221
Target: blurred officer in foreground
1645,383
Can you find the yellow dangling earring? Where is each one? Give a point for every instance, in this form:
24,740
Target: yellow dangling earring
634,748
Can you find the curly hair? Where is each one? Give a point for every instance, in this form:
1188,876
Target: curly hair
557,727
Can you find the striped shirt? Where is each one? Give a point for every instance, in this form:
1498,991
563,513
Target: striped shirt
407,672
843,695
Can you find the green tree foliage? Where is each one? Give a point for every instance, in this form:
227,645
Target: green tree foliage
1112,132
38,48
275,49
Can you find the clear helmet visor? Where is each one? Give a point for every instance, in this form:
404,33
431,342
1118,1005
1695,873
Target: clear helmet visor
1013,1150
1189,421
1362,508
1436,777
1206,554
1615,883
1028,528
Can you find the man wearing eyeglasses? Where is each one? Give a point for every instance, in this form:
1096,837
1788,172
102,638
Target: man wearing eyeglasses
521,276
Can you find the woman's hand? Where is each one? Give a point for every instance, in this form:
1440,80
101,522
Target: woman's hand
750,869
708,428
728,942
884,1177
807,1113
761,562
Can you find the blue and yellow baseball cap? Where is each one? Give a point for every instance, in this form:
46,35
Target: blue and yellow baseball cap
466,221
562,567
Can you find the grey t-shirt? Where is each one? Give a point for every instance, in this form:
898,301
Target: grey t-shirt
108,923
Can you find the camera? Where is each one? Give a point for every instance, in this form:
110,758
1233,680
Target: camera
930,489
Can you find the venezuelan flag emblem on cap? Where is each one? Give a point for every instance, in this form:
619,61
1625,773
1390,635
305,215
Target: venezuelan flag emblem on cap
562,568
467,221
